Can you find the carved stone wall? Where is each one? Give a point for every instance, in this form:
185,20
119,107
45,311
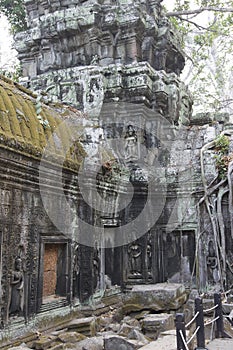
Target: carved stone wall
63,35
93,53
24,224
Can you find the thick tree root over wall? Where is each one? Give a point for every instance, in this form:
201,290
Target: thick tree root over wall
215,194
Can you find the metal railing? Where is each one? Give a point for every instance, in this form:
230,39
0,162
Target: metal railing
199,333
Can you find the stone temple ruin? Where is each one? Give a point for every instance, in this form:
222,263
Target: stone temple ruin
119,185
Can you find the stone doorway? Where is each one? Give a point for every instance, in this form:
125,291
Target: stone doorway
52,253
178,256
54,269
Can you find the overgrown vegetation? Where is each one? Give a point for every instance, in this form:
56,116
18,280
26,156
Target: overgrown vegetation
16,14
207,30
222,158
214,194
14,74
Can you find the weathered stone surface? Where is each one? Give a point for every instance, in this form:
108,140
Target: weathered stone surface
88,54
20,347
86,326
84,29
219,344
71,337
158,297
168,342
135,334
119,343
124,330
153,325
57,346
44,342
227,308
95,343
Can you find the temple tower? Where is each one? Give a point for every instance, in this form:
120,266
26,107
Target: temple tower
93,54
87,52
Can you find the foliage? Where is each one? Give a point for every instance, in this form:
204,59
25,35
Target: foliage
43,121
222,158
14,74
16,14
207,30
222,143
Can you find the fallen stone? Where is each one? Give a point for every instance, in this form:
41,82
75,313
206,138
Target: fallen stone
57,332
169,332
153,325
105,333
95,343
104,322
141,314
135,334
71,337
124,330
43,343
113,327
86,326
158,297
227,308
119,343
131,321
58,346
23,346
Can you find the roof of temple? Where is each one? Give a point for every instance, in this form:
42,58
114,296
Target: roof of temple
27,125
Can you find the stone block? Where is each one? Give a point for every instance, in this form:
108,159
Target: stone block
57,346
158,297
86,326
153,325
43,343
135,334
119,343
95,343
20,347
124,330
227,308
71,337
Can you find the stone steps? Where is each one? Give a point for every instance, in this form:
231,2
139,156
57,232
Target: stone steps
220,344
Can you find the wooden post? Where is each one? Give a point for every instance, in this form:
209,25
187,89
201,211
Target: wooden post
200,324
180,326
219,333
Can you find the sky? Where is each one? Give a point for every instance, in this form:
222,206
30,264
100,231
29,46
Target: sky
8,56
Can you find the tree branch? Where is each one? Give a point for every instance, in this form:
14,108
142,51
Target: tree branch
191,22
197,11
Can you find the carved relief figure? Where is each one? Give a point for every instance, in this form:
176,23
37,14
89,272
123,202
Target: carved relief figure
17,289
95,60
96,269
212,263
173,101
131,151
135,259
76,271
149,255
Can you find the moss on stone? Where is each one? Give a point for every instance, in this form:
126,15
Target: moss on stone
22,131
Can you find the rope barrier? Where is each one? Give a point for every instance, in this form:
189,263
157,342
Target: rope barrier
182,337
194,334
199,332
212,321
211,309
193,319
